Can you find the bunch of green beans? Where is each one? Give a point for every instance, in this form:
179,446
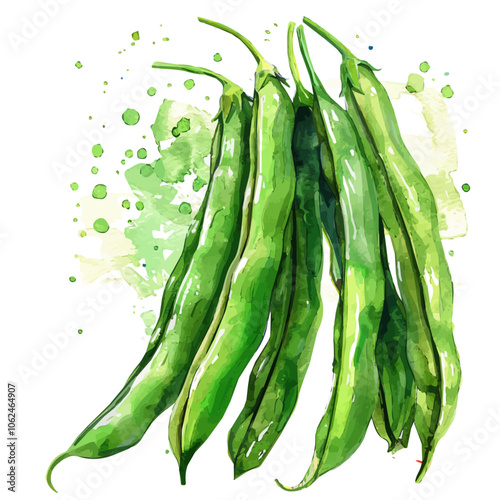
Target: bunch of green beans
287,174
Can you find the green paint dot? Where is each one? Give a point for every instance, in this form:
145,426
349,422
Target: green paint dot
74,186
126,204
217,57
207,98
129,153
415,83
99,192
130,116
139,205
465,188
105,83
97,150
142,153
77,205
185,208
135,35
189,84
447,74
465,131
90,118
80,331
78,64
447,92
268,32
151,91
155,247
83,234
123,162
166,39
169,84
117,171
167,451
132,44
72,279
451,253
424,67
94,170
75,220
101,225
357,36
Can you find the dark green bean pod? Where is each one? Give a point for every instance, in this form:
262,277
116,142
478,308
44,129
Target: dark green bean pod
235,337
432,351
155,388
356,384
267,411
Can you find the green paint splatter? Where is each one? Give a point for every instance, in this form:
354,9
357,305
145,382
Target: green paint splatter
451,253
447,74
139,205
97,150
74,186
189,84
357,36
72,279
78,64
94,170
169,85
183,125
415,83
268,32
166,39
217,57
105,83
155,247
126,204
101,225
129,153
142,153
130,117
465,131
133,44
185,208
90,118
207,98
151,91
83,234
424,67
198,183
99,192
447,92
77,205
167,451
75,219
135,35
465,188
123,162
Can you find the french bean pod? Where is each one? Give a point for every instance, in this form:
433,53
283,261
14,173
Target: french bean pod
356,384
264,417
214,236
222,358
436,403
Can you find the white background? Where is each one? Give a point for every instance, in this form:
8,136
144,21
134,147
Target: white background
46,103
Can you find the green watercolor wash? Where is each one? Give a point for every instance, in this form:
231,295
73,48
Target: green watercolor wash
139,205
94,170
99,192
424,67
126,204
78,64
146,170
415,83
149,318
185,208
142,153
80,331
130,117
129,153
465,188
189,84
217,57
74,186
447,92
97,150
83,234
151,91
72,279
135,35
451,253
101,225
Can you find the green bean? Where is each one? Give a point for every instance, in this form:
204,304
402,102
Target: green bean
434,358
160,381
267,412
231,344
396,405
356,384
